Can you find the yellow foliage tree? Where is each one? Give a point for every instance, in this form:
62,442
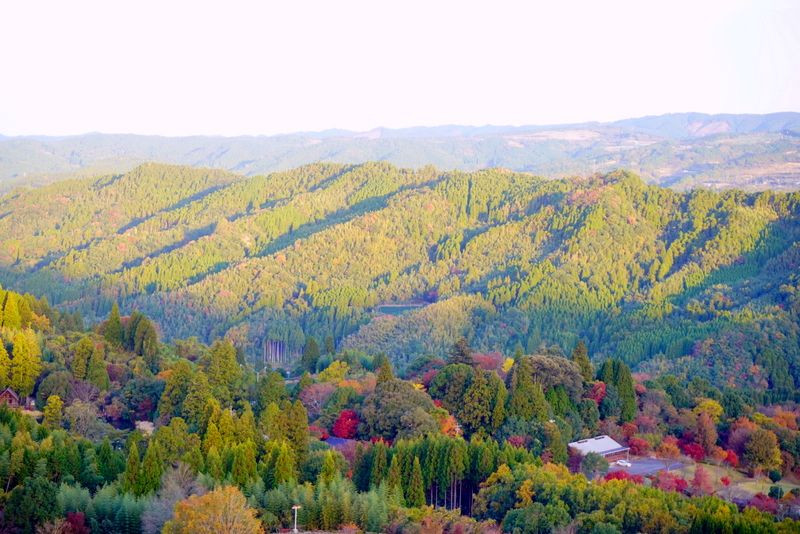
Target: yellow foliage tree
222,510
52,412
711,407
335,372
26,363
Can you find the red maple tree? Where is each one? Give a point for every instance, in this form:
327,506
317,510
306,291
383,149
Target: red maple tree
346,424
598,392
694,451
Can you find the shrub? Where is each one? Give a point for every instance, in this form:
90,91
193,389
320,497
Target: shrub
624,475
776,492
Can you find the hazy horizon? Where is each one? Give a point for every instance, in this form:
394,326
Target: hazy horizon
411,127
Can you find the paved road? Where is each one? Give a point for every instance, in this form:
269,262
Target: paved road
647,466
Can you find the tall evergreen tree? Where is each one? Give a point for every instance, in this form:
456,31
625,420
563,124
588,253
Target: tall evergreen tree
223,371
379,464
149,478
194,405
129,332
246,425
81,355
362,468
330,346
615,373
113,327
175,391
394,478
11,316
271,388
328,471
385,372
97,373
194,459
310,355
450,385
555,443
5,366
212,438
476,413
109,463
130,478
627,393
581,356
273,421
146,343
25,311
26,363
499,397
227,428
610,405
415,496
297,432
52,412
214,466
526,399
244,469
394,483
284,464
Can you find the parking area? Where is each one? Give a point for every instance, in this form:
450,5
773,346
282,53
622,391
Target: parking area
647,466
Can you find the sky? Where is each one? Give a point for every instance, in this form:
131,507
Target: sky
261,68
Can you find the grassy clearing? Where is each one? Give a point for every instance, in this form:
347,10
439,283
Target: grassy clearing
740,482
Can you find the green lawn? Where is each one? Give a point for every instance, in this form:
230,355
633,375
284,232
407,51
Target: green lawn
740,482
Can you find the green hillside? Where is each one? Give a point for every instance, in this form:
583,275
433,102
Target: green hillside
695,282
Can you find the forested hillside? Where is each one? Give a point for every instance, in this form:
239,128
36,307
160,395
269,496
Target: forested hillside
136,436
681,150
701,283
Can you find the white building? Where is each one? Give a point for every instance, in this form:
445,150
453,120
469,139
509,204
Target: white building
602,445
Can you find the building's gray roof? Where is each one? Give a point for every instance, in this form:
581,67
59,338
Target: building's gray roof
599,444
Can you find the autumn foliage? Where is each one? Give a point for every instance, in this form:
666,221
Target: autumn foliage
346,425
693,451
624,475
639,447
598,392
223,510
732,459
667,481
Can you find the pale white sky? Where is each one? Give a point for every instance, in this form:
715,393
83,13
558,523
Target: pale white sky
231,68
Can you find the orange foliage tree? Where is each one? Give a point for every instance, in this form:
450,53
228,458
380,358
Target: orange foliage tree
222,510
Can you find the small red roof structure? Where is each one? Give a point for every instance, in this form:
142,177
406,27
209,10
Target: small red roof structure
9,397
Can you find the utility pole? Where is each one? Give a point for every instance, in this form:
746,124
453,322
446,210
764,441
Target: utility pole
296,507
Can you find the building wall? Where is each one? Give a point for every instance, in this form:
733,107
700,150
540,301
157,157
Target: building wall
617,456
7,399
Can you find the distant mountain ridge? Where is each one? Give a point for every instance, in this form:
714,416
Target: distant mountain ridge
681,150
